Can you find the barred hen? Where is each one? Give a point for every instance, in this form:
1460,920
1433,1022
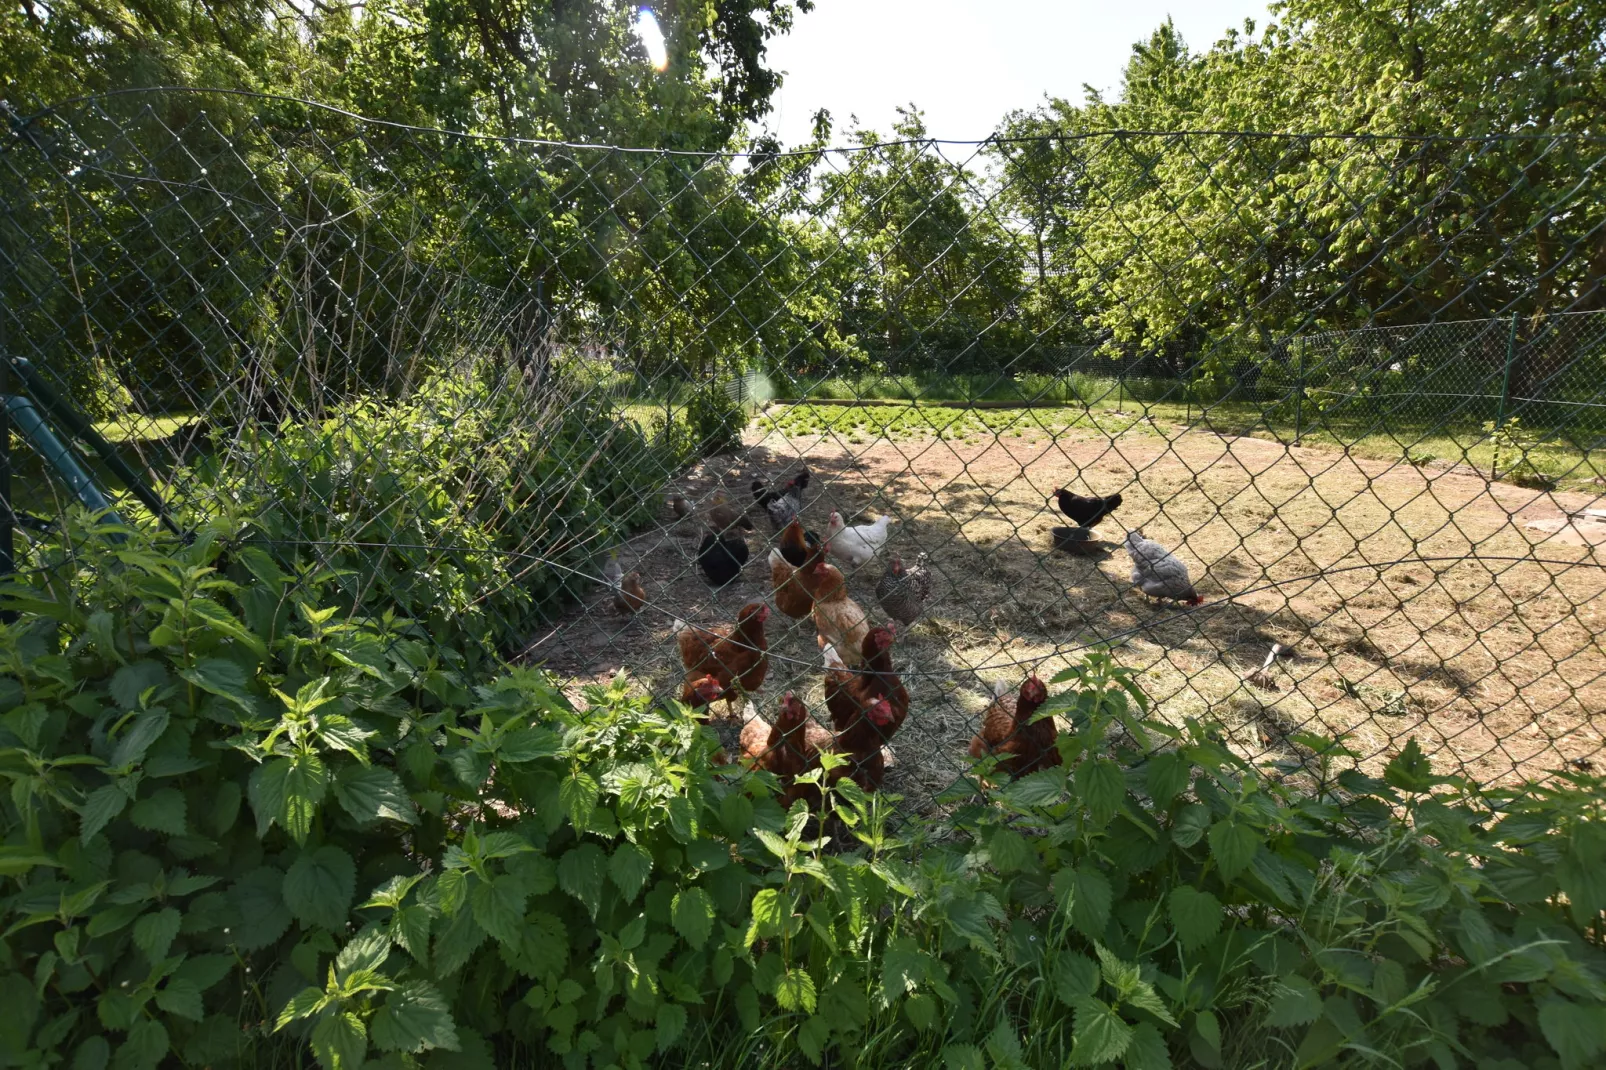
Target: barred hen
902,591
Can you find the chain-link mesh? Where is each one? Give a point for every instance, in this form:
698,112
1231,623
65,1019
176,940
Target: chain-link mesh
1356,385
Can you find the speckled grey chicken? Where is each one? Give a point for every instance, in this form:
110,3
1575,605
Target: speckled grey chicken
902,591
1157,572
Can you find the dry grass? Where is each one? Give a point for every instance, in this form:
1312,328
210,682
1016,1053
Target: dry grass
1417,601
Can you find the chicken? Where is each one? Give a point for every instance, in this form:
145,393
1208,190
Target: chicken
788,749
721,557
850,694
782,505
735,655
1079,541
858,544
1157,572
628,593
632,594
679,506
797,545
1086,511
902,591
701,692
790,596
867,765
838,619
723,517
1008,732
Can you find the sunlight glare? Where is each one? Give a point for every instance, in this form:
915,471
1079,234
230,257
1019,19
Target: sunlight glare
652,38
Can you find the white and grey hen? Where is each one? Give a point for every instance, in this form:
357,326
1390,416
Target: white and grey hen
1157,572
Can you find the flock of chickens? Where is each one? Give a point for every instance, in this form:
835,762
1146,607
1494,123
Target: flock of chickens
866,701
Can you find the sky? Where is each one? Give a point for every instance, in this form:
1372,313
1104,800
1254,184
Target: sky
967,62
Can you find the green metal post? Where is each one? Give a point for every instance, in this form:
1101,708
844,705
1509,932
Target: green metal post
1505,380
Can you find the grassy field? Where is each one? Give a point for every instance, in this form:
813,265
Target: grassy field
1420,443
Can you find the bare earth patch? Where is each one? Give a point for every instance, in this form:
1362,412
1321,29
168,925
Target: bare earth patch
1418,602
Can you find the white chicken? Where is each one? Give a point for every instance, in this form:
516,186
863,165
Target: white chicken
1157,572
858,544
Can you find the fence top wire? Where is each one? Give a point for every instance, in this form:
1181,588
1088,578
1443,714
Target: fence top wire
459,382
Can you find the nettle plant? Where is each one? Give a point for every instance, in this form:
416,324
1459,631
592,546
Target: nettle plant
241,827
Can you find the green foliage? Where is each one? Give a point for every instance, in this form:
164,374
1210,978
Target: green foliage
714,421
421,862
463,507
1515,449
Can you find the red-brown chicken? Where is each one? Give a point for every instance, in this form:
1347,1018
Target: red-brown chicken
867,706
702,692
1008,732
788,748
791,596
735,655
839,620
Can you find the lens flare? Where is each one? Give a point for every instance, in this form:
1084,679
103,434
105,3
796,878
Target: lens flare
652,38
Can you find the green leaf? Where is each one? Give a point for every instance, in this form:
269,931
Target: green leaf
1232,845
204,971
415,1017
1577,1032
224,678
305,784
963,1057
145,1048
670,1024
154,933
1009,851
103,804
93,1054
693,915
319,885
1410,770
182,998
1003,1045
340,1041
409,928
795,991
371,792
812,1036
970,919
581,872
1190,825
1076,977
1102,787
1147,1051
629,867
769,912
922,1010
1196,916
161,812
578,794
1086,893
1100,1036
146,728
1167,777
131,681
259,902
364,953
1043,788
499,908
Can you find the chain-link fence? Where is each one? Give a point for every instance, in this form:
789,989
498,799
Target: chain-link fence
463,372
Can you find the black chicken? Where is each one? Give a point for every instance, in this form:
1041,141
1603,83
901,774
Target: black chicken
793,487
721,557
1083,510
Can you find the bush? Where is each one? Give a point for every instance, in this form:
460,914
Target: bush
716,420
467,507
241,824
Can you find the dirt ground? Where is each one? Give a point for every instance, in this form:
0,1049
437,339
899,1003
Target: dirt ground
1419,602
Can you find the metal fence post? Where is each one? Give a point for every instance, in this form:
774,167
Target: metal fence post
1505,379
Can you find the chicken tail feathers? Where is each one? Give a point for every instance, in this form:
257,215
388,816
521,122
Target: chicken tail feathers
1000,688
679,626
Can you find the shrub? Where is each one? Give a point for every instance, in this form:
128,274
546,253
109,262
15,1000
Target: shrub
467,506
241,824
716,420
